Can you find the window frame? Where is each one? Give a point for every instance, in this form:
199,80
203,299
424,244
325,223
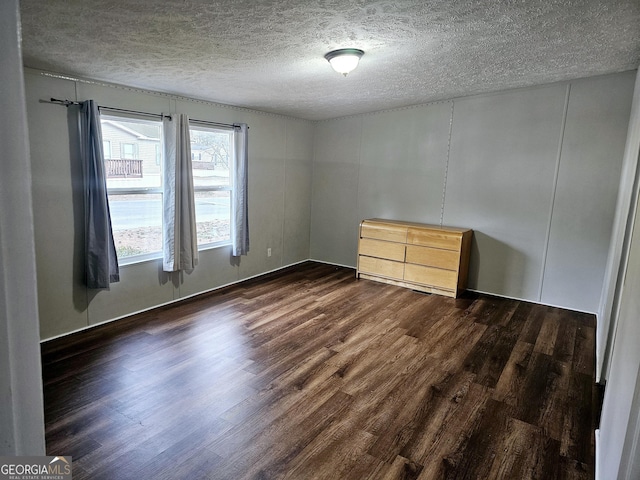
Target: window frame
106,143
159,190
135,150
202,126
117,191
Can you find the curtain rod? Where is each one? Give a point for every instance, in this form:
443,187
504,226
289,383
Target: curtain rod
68,103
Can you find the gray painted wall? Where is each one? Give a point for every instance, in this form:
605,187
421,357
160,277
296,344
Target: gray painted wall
534,172
21,405
280,164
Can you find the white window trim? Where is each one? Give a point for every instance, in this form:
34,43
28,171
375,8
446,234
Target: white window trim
218,188
109,119
154,256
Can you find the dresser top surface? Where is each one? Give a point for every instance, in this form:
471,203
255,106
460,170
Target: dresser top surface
400,223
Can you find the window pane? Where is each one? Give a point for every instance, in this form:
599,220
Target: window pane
210,156
211,159
134,147
213,216
106,148
132,164
137,223
128,150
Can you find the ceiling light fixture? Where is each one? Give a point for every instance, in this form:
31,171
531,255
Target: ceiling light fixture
344,60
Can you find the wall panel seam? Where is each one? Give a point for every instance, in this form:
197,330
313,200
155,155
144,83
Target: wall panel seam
553,192
284,191
446,166
358,173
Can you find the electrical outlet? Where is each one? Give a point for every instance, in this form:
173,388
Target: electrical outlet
268,252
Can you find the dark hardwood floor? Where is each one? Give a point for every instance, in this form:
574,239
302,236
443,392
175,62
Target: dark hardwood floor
311,374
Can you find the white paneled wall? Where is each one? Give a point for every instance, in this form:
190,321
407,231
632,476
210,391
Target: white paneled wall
403,176
585,201
334,205
504,151
533,171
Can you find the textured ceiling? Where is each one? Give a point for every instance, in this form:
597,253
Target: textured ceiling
268,55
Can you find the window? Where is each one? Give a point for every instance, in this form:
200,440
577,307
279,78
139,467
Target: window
211,153
129,150
135,190
134,186
106,148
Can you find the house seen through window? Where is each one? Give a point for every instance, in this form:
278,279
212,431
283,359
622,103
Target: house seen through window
134,185
133,166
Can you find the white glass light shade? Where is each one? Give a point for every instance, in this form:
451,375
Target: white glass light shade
344,60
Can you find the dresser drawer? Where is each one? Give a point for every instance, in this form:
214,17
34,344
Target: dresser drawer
378,266
378,248
434,238
436,277
390,233
433,257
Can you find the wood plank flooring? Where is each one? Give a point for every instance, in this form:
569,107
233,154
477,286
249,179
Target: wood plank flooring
311,374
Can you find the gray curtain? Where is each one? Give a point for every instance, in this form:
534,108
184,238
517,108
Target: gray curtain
180,244
101,258
240,209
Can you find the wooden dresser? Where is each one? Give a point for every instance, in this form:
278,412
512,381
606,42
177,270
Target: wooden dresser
422,257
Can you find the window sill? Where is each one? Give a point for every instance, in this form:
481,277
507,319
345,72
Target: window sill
211,246
149,257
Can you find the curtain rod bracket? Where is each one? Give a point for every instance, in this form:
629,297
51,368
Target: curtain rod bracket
56,101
